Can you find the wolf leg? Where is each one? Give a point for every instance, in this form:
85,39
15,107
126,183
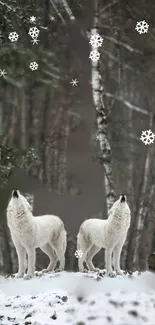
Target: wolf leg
93,251
48,250
108,260
21,253
117,255
31,262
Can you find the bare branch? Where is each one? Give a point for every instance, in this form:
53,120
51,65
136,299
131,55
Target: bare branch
58,13
128,104
112,57
4,4
68,10
128,47
112,3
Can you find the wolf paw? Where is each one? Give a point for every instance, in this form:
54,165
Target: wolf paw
59,270
28,276
45,271
19,275
119,272
96,269
111,274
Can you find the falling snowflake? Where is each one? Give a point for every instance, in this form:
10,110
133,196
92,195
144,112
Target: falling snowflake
2,73
74,82
34,32
33,66
94,55
33,19
147,137
13,37
52,18
78,254
142,27
96,40
97,137
35,41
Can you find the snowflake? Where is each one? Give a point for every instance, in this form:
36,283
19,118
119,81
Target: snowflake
32,19
34,32
147,137
94,55
74,82
2,73
13,37
33,66
78,254
142,27
97,137
96,40
35,41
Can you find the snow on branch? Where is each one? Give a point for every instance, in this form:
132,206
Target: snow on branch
128,47
68,10
66,7
57,11
128,104
4,4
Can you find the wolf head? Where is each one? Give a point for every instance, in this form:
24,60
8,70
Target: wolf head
19,201
15,194
122,198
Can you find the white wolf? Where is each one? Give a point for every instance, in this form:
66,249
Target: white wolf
28,232
109,234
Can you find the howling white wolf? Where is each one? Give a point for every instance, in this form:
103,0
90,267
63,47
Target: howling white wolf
109,234
28,232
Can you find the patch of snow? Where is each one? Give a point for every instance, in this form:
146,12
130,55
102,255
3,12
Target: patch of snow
78,299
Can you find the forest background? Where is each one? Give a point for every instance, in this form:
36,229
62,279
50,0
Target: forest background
72,150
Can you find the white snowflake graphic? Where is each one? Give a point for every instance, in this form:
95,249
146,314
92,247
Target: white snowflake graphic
94,55
2,73
33,66
96,41
74,82
33,19
147,137
35,41
142,27
34,32
78,254
13,37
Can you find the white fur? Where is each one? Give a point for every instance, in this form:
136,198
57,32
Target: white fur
28,232
110,234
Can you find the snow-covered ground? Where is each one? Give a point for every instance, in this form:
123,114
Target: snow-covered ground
78,299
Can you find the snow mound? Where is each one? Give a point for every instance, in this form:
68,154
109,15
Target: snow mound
78,299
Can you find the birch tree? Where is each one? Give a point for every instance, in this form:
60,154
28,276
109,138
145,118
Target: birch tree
102,117
143,201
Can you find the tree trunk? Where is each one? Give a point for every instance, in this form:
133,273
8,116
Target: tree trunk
128,93
141,211
148,230
102,115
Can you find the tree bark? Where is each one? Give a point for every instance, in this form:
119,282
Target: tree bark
141,210
102,115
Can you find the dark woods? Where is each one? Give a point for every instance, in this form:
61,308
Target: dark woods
48,127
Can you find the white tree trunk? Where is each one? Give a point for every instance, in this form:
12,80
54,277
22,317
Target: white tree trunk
102,115
142,209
